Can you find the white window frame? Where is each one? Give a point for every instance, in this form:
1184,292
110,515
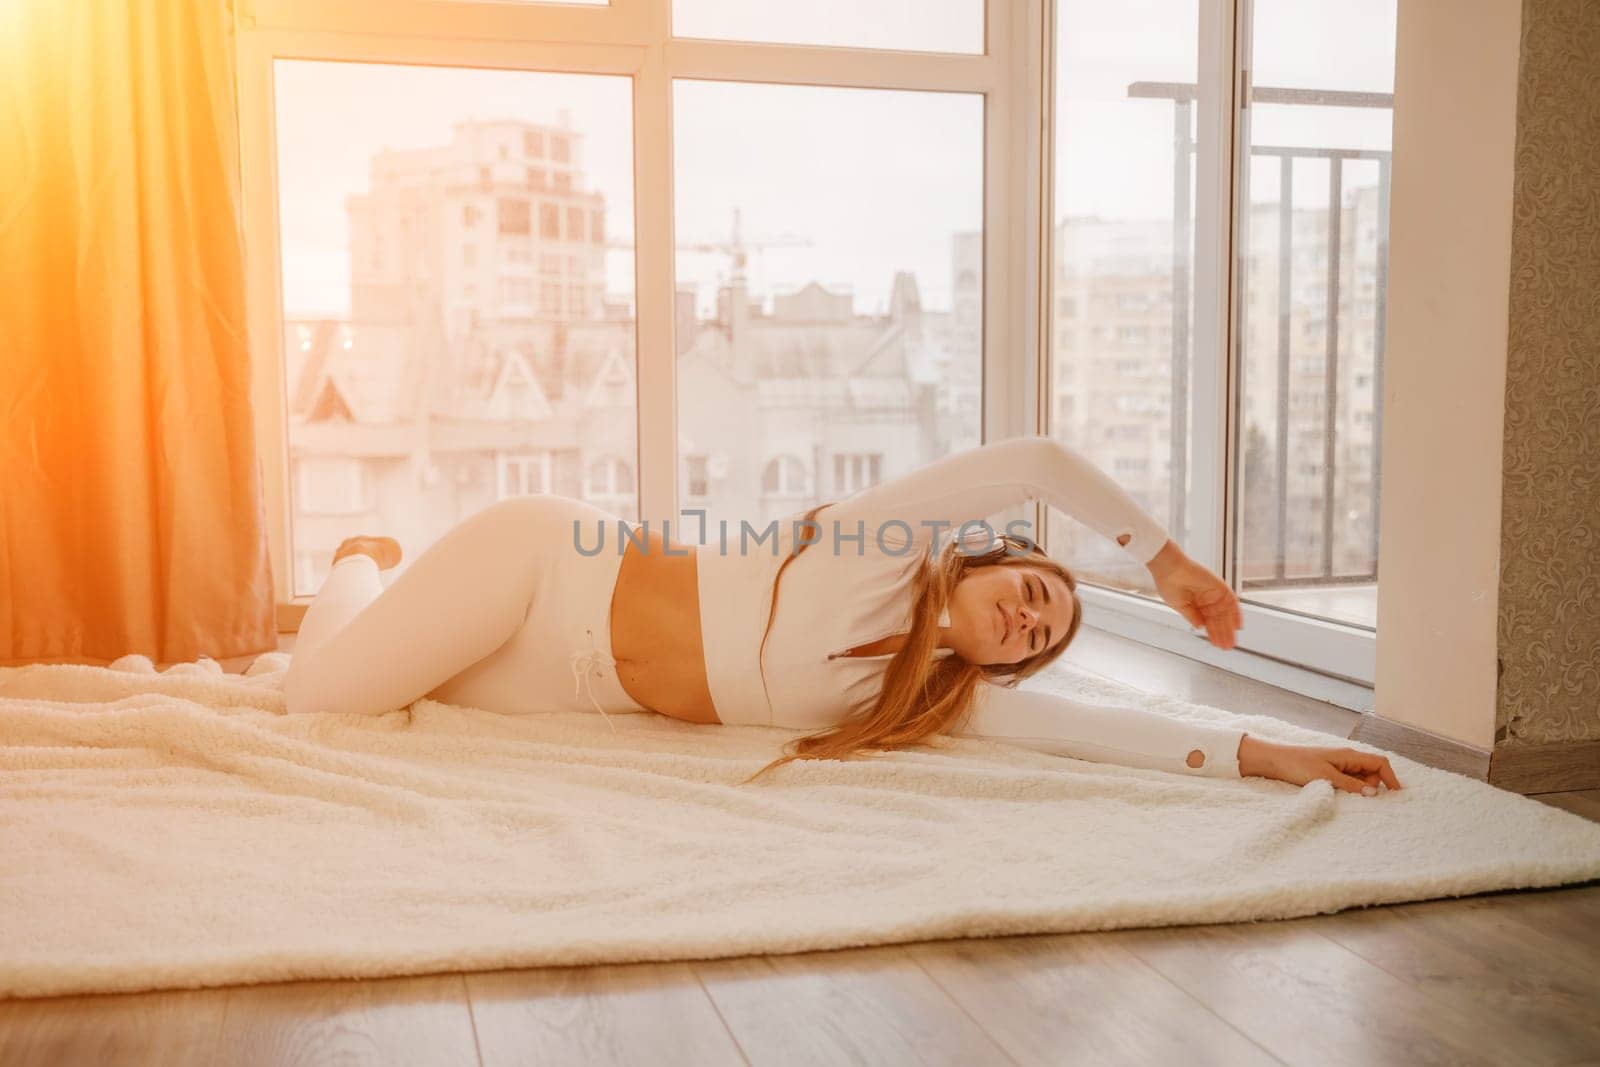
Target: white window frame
632,38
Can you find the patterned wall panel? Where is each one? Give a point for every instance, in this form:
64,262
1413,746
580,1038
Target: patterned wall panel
1549,616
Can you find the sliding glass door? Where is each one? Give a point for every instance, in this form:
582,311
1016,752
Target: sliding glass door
1313,241
1220,215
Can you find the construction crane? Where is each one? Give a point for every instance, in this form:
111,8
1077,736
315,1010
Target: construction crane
739,249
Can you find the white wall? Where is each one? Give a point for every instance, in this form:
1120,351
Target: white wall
1445,364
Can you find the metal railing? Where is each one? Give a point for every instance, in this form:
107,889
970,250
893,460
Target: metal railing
1183,98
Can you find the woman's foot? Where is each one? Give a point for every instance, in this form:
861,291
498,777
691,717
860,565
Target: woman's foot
384,550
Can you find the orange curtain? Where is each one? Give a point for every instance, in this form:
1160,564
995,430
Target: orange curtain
131,516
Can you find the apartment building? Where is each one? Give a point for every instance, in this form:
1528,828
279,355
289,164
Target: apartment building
484,359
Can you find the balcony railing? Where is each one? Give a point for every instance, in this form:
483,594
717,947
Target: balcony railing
1183,99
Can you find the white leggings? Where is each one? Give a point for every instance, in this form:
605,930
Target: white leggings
501,613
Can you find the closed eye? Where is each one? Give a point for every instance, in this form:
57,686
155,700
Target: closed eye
1032,644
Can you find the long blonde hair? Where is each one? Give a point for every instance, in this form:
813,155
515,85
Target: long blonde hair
923,695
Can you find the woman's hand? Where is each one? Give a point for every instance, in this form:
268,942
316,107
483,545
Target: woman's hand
1348,769
1197,594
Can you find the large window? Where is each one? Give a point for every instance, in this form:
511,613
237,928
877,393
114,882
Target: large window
423,353
637,252
747,257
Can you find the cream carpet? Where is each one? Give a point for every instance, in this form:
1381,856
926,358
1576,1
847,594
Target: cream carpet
178,830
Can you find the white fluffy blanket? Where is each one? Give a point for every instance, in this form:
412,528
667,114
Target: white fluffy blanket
179,830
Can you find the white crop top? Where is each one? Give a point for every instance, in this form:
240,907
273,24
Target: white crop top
852,586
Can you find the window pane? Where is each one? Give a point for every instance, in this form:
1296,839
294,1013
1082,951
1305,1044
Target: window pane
431,368
1122,312
1315,241
905,25
827,241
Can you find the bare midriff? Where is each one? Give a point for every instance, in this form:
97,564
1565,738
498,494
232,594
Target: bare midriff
655,630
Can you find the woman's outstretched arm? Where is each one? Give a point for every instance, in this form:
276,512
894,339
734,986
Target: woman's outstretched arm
1050,722
935,499
1131,737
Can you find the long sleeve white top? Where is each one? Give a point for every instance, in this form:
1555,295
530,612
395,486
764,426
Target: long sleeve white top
852,587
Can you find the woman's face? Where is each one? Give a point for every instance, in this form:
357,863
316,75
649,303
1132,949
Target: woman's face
1004,614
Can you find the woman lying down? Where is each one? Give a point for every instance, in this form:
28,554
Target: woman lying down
869,623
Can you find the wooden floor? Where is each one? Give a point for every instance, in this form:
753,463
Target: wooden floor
1507,978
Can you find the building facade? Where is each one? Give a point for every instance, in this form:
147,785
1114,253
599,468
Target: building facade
482,358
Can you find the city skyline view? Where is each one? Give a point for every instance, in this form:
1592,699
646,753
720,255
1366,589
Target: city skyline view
1141,262
765,150
1101,51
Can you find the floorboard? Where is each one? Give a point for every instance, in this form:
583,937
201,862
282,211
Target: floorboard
1081,997
657,1014
872,1005
178,1027
1584,802
390,1022
1309,1000
1480,958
